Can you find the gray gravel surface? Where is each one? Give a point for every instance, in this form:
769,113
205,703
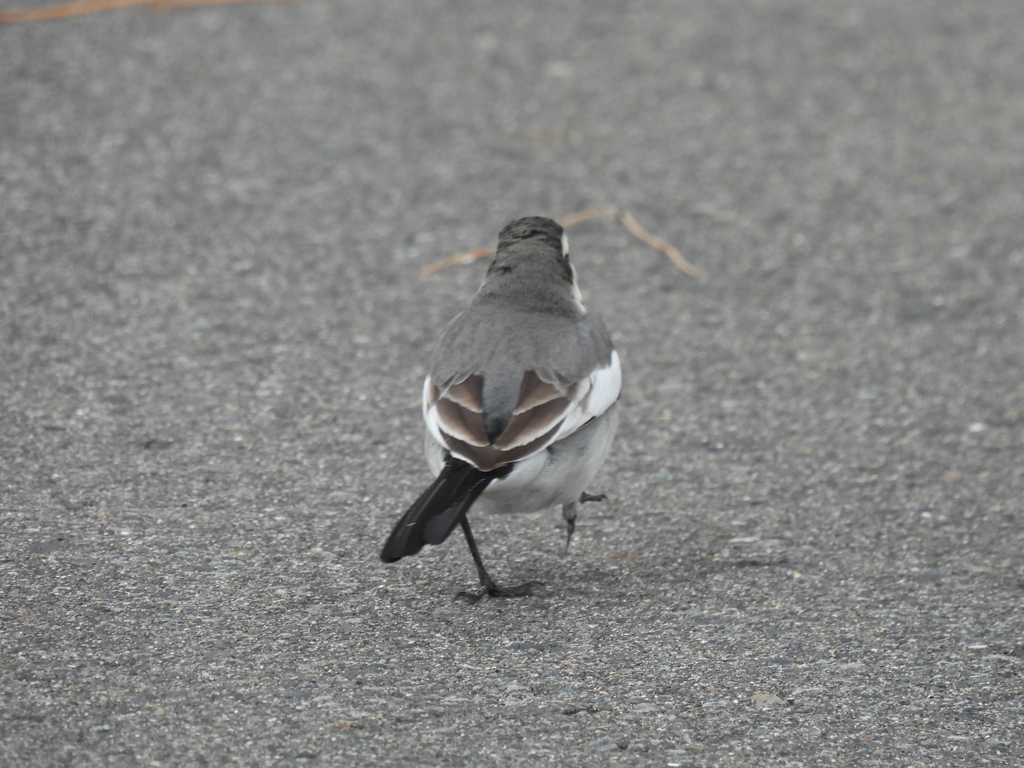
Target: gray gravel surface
212,333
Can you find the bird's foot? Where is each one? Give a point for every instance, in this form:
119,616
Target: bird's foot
490,589
569,513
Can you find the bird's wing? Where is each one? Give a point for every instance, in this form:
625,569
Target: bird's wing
545,411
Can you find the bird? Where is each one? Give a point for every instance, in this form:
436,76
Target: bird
520,401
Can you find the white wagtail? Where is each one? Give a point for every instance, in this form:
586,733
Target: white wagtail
520,402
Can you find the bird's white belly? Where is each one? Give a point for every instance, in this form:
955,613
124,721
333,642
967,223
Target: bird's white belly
555,475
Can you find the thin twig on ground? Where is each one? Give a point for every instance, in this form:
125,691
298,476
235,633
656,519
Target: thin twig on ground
625,217
467,257
591,213
85,7
657,244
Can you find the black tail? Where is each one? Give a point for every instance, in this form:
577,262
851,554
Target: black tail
436,512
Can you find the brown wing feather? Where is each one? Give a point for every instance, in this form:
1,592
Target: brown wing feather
468,393
537,416
535,391
488,457
460,411
528,425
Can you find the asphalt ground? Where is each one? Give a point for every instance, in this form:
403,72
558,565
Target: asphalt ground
213,332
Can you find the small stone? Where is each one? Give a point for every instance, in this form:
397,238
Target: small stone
763,699
603,744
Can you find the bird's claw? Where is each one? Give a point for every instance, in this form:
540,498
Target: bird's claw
493,590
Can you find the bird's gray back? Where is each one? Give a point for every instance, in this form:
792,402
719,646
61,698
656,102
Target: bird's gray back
501,342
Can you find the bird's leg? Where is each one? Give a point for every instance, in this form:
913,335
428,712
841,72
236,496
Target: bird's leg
570,510
489,587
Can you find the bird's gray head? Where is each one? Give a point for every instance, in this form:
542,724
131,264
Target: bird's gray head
533,244
534,228
531,267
